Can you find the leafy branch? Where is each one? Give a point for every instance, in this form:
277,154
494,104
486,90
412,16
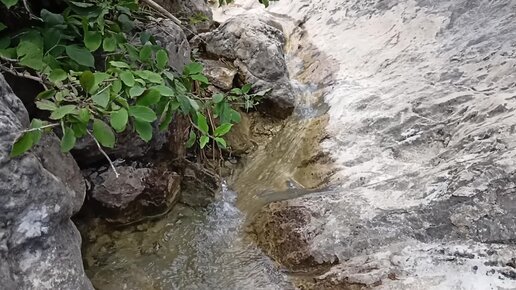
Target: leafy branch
99,80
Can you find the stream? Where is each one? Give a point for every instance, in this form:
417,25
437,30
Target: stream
210,248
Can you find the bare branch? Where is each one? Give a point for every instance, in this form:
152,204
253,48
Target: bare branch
104,153
162,10
27,7
23,75
39,128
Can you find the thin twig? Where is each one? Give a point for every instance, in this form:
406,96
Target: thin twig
104,153
39,128
162,10
31,15
23,75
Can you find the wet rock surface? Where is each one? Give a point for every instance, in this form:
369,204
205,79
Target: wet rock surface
138,192
256,48
421,130
199,185
39,245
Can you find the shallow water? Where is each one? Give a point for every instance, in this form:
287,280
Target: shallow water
188,249
192,248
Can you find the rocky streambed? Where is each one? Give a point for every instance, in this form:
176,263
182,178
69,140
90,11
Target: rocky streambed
382,159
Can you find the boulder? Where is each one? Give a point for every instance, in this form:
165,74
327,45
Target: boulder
138,192
256,48
219,74
40,191
170,36
422,134
195,14
199,185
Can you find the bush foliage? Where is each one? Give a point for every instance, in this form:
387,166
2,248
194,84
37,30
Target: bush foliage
102,77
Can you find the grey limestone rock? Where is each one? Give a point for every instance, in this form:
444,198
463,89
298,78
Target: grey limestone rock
39,192
256,49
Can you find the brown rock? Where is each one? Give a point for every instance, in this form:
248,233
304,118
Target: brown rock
136,194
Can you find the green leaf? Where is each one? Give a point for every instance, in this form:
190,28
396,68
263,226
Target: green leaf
103,133
8,52
36,135
80,55
79,129
2,26
150,97
161,59
68,140
145,37
145,53
101,98
169,75
5,41
191,139
128,78
30,50
236,91
117,86
109,44
60,112
50,18
164,90
222,129
150,76
9,3
136,91
202,123
246,88
119,120
45,94
201,78
100,77
203,141
142,113
234,116
87,80
57,75
193,68
126,23
22,145
166,117
184,103
51,37
144,130
92,40
217,98
82,4
221,142
84,115
119,64
46,105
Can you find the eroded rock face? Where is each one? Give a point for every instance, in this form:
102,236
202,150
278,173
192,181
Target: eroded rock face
137,193
422,133
40,191
256,49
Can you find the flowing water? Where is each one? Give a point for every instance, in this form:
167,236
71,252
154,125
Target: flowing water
209,248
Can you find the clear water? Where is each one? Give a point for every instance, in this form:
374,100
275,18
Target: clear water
189,249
